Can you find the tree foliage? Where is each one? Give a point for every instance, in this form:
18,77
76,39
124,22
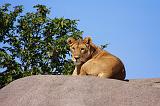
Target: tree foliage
32,43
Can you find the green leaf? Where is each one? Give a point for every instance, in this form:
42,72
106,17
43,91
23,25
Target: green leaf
34,43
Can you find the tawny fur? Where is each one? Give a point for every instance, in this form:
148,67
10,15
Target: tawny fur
91,60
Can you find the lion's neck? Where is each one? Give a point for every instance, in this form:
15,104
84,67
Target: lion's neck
95,51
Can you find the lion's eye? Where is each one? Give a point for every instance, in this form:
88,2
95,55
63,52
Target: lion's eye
82,49
73,48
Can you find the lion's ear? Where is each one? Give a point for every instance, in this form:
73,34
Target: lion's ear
71,41
87,40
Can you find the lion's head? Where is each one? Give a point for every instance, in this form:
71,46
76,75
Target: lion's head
80,49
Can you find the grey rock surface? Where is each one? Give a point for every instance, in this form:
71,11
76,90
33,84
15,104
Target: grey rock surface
50,90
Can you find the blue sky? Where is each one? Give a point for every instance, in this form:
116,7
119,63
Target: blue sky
131,27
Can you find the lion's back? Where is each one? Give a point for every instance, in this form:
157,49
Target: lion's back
105,63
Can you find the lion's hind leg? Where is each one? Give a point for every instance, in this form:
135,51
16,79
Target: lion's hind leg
104,75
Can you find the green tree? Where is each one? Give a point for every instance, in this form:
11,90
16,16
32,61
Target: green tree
32,43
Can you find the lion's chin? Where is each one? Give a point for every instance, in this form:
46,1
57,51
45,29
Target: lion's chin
77,63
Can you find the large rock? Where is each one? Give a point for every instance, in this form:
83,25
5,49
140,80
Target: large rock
80,91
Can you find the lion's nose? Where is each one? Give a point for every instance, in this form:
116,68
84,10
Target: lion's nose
76,57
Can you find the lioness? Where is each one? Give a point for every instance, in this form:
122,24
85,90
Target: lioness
92,60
